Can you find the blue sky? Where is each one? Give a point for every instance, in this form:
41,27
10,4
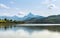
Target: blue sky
23,7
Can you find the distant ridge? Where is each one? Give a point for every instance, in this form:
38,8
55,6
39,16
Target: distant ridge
54,19
30,16
27,17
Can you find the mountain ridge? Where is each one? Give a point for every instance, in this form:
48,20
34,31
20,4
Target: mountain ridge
27,17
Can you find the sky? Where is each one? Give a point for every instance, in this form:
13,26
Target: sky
23,7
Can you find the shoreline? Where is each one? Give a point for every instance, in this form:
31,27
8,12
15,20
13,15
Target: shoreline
38,24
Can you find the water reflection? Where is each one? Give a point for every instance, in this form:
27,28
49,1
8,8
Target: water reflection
24,34
13,31
29,28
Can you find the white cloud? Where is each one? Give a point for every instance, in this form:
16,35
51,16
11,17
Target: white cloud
45,2
4,6
19,14
52,6
7,14
53,0
48,1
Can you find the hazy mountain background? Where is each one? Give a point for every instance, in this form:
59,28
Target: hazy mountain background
35,19
25,18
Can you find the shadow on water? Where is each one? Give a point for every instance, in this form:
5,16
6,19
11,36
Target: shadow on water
54,28
5,26
30,28
50,28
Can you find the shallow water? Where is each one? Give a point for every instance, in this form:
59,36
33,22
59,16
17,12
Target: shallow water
30,32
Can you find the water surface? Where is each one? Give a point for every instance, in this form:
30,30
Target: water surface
14,31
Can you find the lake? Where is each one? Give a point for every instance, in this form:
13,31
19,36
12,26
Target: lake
19,31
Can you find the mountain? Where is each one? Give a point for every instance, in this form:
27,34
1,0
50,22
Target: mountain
35,19
30,16
25,18
54,19
9,18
